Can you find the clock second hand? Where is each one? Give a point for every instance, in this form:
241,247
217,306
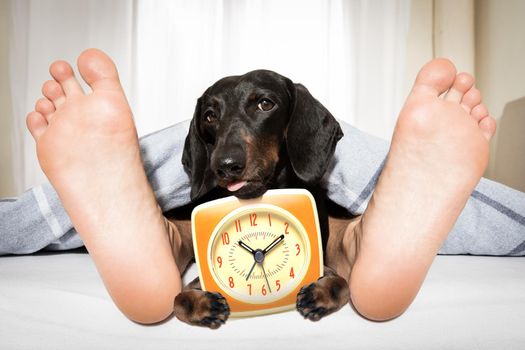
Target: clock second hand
249,273
266,277
267,283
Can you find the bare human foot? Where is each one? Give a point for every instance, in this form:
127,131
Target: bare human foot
87,146
438,153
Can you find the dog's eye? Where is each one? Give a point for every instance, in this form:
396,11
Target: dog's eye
210,117
265,105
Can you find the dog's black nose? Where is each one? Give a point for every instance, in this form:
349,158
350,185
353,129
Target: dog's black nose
229,167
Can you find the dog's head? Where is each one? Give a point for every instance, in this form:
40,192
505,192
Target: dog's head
246,129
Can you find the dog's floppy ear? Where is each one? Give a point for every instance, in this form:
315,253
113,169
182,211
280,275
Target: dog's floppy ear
195,159
312,135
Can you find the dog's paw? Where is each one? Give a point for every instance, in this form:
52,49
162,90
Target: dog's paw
321,298
200,308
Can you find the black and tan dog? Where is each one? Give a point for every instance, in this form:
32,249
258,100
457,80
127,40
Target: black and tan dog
252,133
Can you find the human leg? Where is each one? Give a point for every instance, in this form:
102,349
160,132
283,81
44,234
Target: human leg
492,223
437,156
88,148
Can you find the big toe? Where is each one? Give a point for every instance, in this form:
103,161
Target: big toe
436,77
98,70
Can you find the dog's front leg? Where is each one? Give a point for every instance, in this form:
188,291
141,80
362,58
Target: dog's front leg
199,308
331,292
323,297
193,305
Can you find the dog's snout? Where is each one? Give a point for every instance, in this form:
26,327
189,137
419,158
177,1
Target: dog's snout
230,166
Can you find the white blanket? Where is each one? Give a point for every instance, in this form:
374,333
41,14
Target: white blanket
57,301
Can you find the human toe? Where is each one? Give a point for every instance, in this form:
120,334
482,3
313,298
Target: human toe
63,74
436,77
53,91
471,99
44,107
462,83
487,126
479,112
37,124
98,70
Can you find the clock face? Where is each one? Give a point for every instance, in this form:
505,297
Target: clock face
259,253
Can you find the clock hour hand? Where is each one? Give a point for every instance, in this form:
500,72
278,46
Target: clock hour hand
247,247
273,244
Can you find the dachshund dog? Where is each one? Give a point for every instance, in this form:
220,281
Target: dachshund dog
251,133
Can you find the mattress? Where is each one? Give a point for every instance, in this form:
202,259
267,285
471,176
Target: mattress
57,301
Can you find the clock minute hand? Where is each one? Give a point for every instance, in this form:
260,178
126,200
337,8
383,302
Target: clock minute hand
273,244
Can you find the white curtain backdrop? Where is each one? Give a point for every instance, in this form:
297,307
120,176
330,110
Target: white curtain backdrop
349,54
41,31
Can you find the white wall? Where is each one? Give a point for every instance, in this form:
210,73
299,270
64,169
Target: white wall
419,42
6,176
485,37
500,68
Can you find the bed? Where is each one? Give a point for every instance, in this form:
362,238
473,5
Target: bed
57,301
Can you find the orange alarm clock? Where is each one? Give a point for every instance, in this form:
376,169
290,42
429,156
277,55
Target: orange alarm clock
258,253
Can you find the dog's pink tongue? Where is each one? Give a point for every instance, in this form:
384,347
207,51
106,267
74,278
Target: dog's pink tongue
234,186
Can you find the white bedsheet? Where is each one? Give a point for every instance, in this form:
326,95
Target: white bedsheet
57,301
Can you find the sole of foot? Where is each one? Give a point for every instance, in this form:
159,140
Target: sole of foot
438,153
88,148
